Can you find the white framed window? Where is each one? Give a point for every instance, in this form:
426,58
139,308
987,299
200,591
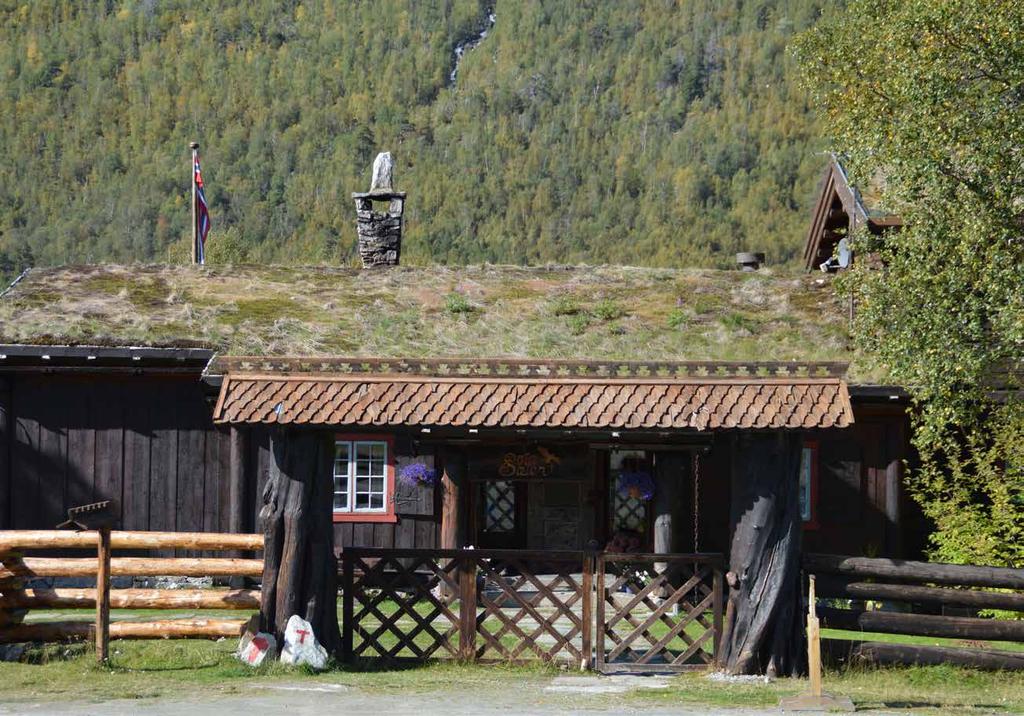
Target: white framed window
361,476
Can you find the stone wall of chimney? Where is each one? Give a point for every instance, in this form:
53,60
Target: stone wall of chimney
379,232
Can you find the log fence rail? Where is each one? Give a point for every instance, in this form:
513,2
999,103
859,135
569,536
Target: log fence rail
920,586
19,592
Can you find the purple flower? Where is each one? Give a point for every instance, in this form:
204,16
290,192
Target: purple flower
638,484
418,474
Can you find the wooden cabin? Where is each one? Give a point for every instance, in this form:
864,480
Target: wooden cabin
532,452
840,210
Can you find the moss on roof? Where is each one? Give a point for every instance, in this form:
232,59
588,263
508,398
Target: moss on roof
476,311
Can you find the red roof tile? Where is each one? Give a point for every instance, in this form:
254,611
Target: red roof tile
697,403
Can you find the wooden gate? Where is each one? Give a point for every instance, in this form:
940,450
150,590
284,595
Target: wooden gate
473,605
658,613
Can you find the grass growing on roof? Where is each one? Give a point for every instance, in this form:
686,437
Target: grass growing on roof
600,313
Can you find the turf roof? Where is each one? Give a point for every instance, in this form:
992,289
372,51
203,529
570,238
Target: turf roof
602,313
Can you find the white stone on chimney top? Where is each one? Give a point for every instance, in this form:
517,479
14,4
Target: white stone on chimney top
383,172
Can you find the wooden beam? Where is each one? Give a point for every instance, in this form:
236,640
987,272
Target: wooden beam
669,473
67,598
902,570
103,596
133,566
14,540
236,481
453,519
910,655
923,624
162,629
6,440
943,596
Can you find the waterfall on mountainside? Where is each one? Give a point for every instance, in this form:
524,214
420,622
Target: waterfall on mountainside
468,44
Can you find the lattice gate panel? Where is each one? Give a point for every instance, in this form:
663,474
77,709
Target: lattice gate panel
658,613
399,607
539,608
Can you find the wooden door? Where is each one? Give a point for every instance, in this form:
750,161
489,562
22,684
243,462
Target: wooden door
501,517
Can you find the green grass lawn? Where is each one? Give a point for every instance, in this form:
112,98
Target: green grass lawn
143,669
150,669
919,640
931,690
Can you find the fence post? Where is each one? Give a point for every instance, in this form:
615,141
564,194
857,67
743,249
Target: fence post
467,608
588,611
347,605
103,595
716,637
600,566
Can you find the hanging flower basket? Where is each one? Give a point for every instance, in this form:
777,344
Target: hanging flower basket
418,474
639,485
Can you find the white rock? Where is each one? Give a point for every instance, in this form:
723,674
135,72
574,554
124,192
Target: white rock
253,649
383,172
301,646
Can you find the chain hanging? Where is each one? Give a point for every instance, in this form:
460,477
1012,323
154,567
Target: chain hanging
696,501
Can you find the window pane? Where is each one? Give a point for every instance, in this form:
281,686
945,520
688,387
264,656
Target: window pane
371,458
806,457
369,475
342,467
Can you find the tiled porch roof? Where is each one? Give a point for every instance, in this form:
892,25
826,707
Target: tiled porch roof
513,394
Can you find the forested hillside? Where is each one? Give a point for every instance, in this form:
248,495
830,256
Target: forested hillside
657,132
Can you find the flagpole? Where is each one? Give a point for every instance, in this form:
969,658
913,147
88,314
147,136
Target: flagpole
194,146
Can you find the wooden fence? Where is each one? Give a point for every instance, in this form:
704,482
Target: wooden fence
920,587
20,591
518,605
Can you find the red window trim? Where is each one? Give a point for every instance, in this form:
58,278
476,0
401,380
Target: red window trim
389,490
812,524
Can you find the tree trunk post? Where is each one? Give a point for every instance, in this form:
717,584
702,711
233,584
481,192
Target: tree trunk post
300,574
763,629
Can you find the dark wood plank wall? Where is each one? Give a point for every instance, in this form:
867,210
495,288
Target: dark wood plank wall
862,509
146,441
149,442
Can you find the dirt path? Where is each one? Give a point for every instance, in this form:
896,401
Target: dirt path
558,697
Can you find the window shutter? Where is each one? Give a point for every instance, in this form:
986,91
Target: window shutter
413,499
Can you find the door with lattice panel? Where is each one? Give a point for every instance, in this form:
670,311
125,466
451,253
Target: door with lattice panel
501,514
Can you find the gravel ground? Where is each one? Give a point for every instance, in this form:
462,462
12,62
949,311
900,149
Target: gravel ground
561,696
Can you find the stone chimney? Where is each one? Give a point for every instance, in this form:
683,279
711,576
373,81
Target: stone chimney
380,232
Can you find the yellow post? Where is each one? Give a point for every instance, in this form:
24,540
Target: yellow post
813,643
815,699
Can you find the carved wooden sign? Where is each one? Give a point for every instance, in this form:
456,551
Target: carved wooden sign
539,462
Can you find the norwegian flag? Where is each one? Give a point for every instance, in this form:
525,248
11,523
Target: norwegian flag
202,211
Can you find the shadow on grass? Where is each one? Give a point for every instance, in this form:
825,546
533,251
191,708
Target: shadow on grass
378,665
42,654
